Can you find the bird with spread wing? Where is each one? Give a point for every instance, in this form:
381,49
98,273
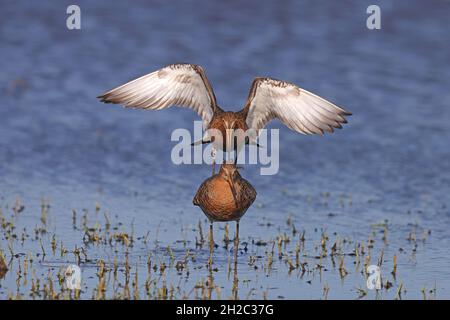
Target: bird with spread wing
186,85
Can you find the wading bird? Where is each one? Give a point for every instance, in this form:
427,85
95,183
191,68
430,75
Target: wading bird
225,196
186,85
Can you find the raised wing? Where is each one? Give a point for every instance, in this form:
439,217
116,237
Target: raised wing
184,85
300,110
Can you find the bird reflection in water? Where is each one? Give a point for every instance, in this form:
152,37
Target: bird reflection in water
225,196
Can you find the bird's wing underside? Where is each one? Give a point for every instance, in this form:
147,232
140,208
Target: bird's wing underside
184,85
300,110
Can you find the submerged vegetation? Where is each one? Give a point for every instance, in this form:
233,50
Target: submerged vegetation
117,263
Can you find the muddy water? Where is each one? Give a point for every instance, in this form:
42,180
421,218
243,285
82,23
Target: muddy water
382,183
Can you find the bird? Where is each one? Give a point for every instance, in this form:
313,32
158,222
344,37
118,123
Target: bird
225,196
186,85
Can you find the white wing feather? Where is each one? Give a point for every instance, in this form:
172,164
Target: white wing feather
183,85
299,109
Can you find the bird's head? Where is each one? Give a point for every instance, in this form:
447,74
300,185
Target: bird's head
234,133
230,172
229,126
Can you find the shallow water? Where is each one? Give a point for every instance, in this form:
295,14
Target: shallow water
390,163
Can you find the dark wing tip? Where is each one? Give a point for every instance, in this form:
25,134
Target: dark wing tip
346,113
104,98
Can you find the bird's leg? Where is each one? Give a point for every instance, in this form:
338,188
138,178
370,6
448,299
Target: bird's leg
236,238
236,246
210,282
211,244
213,155
235,287
211,238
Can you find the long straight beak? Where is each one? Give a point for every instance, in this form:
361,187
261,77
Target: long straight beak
229,140
201,141
254,143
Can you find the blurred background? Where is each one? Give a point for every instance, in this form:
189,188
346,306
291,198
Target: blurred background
392,158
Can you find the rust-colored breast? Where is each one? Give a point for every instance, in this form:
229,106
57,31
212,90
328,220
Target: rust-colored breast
216,199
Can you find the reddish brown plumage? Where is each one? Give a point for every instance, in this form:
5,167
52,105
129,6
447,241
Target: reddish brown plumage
228,120
220,117
225,196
